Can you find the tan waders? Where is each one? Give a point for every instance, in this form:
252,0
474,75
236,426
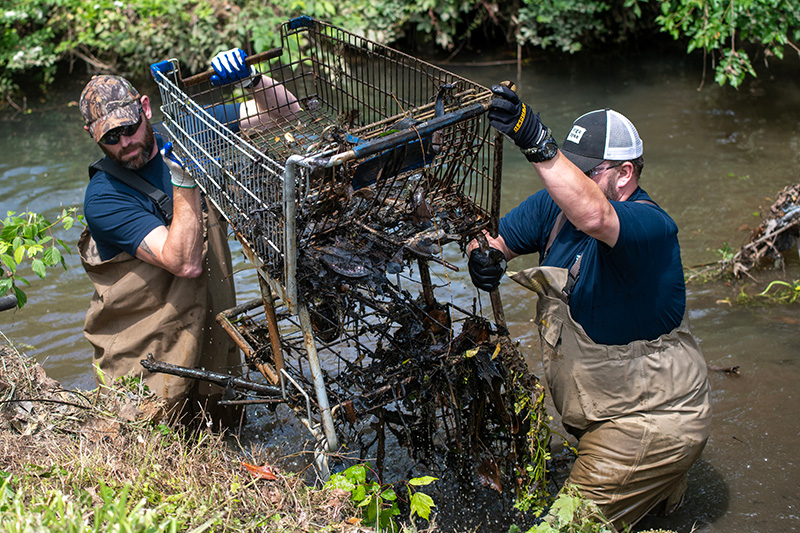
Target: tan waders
641,411
139,309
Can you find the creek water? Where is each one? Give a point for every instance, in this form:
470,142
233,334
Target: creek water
715,159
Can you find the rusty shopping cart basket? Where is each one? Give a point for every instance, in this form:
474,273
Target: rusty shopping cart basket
354,206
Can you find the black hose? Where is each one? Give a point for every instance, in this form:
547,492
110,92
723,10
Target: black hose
8,302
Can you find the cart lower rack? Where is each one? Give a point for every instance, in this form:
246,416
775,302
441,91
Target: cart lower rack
355,204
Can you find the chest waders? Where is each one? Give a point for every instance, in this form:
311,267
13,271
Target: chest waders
139,308
641,411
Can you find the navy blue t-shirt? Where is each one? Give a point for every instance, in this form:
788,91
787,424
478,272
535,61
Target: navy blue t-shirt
633,291
120,217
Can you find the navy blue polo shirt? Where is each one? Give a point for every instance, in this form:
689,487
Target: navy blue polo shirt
633,291
120,217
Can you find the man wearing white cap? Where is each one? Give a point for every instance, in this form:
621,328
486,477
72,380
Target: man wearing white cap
623,368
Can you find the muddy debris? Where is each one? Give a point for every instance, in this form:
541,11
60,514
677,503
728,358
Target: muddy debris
777,234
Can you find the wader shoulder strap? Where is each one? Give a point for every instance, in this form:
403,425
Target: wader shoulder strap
559,223
130,178
575,269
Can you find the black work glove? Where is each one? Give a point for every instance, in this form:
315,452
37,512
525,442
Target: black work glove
486,268
513,118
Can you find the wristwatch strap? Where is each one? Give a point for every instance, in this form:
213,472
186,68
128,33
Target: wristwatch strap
544,150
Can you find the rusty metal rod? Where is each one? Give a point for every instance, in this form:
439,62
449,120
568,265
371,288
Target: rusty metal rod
223,380
223,319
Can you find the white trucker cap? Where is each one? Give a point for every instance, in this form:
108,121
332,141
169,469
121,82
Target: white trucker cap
601,135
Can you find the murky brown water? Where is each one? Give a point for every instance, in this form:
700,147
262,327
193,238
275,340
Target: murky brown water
714,159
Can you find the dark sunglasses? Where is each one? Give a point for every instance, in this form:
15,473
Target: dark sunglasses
112,136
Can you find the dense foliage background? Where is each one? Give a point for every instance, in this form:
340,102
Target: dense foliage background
42,39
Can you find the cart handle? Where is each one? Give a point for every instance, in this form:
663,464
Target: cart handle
404,136
165,67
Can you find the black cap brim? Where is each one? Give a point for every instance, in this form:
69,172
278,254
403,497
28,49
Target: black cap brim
581,161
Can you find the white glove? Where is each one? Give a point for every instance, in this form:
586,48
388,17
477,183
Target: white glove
230,67
179,175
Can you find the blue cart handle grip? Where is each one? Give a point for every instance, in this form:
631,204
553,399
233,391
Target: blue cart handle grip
164,67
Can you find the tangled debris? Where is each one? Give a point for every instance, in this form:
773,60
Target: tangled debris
350,206
778,233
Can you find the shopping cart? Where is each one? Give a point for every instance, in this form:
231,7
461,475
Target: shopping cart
352,208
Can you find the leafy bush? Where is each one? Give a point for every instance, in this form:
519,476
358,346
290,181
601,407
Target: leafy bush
378,502
28,237
722,28
126,36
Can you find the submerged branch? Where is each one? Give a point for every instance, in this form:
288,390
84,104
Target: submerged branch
777,233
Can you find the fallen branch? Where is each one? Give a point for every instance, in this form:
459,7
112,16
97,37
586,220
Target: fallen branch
778,232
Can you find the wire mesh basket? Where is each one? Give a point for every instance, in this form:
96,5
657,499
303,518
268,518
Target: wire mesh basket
355,206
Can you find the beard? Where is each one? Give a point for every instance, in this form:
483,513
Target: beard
611,192
145,150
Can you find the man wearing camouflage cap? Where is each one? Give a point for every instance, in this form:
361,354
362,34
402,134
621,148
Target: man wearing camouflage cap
160,278
624,371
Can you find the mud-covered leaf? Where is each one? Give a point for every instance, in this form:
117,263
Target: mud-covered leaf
489,475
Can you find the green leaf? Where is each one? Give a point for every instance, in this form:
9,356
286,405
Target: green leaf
339,481
389,495
22,299
356,474
359,493
364,500
5,285
64,245
8,261
38,268
19,254
565,507
48,258
421,481
421,504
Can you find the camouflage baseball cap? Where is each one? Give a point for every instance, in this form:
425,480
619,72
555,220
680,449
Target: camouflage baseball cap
108,102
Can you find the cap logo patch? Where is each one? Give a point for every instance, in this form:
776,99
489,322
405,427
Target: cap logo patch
575,134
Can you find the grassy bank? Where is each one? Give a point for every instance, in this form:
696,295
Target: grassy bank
95,461
73,461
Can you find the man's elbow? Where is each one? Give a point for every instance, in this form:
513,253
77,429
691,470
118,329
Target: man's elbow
190,269
193,270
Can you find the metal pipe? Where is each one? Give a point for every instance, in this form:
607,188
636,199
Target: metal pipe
494,221
272,325
416,132
289,233
319,382
266,370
